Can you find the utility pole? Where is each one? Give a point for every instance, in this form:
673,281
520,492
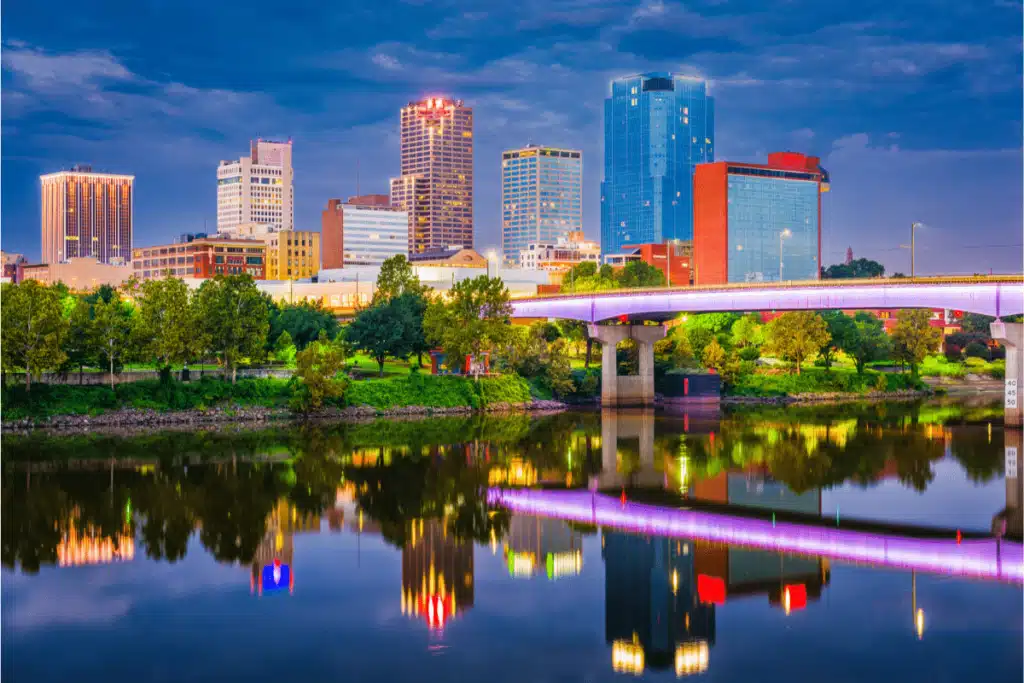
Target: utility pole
913,239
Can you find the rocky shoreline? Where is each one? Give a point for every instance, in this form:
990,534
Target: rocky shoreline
133,418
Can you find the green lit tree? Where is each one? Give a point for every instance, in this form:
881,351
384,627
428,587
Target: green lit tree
32,329
796,336
234,318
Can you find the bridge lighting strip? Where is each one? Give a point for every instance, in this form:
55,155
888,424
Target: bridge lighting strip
976,558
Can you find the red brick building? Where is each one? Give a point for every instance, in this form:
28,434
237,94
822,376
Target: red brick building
199,256
674,259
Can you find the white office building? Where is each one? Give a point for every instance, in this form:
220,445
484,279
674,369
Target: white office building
255,194
373,234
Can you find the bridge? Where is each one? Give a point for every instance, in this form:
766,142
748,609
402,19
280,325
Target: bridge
999,295
980,558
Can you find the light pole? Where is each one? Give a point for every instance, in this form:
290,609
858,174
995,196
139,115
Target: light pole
491,256
782,235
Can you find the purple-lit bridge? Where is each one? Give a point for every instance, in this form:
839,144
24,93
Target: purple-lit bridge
1001,295
981,559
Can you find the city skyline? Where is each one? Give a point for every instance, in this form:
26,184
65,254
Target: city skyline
953,164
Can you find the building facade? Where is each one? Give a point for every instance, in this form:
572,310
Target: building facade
541,197
200,256
79,274
560,256
292,254
87,215
657,128
436,182
13,264
758,222
256,194
364,231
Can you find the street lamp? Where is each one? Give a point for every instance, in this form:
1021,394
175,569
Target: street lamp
491,256
782,235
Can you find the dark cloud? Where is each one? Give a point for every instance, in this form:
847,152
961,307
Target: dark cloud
894,95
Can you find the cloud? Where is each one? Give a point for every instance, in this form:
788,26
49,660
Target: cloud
87,70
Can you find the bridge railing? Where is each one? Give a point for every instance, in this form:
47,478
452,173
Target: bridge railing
794,284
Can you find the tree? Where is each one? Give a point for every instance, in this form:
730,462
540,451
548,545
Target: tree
858,268
914,338
713,355
869,342
303,322
111,332
78,342
234,318
284,349
381,331
796,335
558,371
414,306
395,279
976,323
166,328
316,370
841,329
474,320
748,331
702,328
32,329
639,274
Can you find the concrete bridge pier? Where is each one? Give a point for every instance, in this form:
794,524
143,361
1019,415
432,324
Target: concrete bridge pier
629,425
1011,336
1010,520
629,390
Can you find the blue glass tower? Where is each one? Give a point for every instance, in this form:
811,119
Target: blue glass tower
657,128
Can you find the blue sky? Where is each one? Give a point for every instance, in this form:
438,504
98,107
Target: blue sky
915,108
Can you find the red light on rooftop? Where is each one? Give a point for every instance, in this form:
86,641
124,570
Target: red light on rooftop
710,589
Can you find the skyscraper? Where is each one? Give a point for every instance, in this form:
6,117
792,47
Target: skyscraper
436,182
657,128
87,214
255,194
541,197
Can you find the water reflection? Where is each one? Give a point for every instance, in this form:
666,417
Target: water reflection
257,500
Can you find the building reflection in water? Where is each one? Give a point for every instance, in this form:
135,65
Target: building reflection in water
535,544
84,544
272,566
437,573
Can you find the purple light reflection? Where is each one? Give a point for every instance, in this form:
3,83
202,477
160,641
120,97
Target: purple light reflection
977,558
990,298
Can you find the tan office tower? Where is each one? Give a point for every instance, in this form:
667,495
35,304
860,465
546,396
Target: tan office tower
256,194
87,214
436,185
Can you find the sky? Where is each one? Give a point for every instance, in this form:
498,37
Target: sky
914,108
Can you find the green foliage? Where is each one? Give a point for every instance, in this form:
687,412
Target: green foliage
284,349
508,389
938,366
32,329
914,338
316,370
639,274
976,323
166,328
817,381
976,350
112,333
78,343
396,278
383,330
558,372
303,322
858,268
748,332
475,319
749,353
725,363
842,331
209,392
795,336
867,342
233,317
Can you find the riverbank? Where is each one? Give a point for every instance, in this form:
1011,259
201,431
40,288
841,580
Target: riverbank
822,398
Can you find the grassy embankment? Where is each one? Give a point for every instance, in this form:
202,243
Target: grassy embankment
46,400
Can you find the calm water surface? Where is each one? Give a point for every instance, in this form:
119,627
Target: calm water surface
369,552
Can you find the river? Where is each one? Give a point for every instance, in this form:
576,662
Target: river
841,543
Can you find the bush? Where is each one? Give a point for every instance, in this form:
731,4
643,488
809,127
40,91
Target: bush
976,350
431,391
814,381
938,366
975,363
749,353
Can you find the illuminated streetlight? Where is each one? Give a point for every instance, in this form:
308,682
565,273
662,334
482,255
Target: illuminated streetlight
492,256
783,235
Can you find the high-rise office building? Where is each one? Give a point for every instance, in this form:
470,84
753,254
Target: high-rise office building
436,182
255,194
364,231
87,214
758,222
541,197
657,128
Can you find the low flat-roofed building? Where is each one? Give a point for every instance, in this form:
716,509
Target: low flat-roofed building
201,256
80,274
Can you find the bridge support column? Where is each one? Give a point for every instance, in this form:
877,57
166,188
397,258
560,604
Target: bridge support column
1011,336
638,390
